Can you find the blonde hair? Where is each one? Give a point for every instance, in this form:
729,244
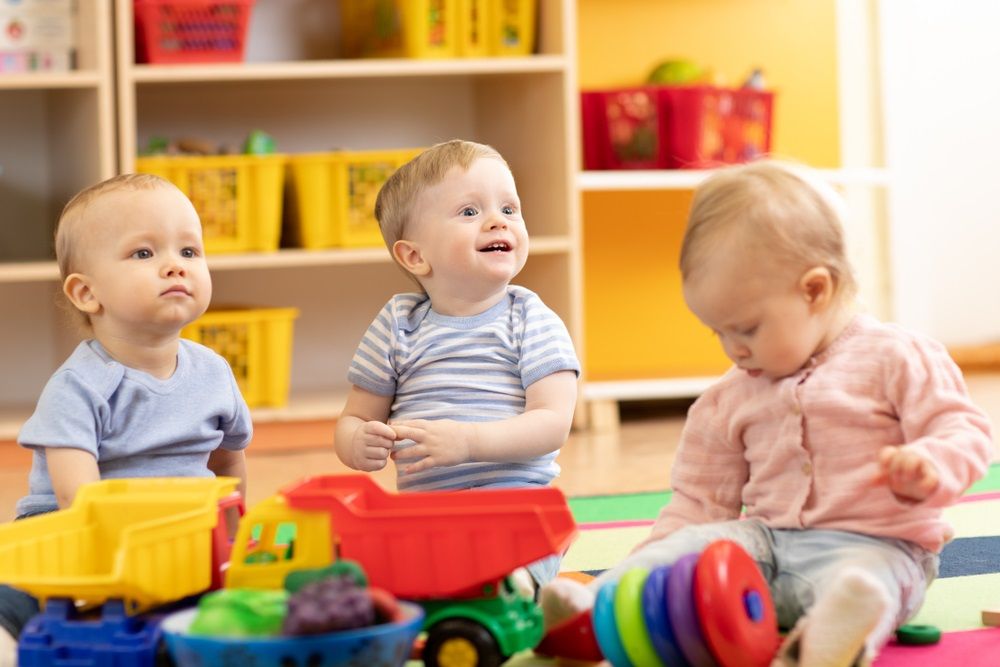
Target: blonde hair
395,200
73,213
781,209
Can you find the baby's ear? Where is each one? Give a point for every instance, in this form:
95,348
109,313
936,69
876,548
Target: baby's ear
817,286
408,254
77,289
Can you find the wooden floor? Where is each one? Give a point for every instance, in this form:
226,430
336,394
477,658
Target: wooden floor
636,458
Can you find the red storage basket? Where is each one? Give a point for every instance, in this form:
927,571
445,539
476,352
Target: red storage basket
674,127
624,129
711,126
191,31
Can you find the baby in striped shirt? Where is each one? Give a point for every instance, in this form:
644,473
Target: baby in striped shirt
470,382
830,448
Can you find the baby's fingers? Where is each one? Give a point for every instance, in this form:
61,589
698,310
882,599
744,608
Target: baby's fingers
379,429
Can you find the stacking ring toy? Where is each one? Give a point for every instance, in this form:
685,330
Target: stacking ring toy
680,608
606,627
628,614
654,613
708,609
734,605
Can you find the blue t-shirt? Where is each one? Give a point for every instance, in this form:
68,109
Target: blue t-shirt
134,424
470,369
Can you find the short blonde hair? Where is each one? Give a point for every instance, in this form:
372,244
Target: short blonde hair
73,213
396,198
782,209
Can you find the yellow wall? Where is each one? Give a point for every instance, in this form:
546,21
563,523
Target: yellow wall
620,41
636,323
637,326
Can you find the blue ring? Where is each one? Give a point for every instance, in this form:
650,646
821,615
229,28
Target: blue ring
657,618
606,629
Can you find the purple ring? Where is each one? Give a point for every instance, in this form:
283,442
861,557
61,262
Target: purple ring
682,613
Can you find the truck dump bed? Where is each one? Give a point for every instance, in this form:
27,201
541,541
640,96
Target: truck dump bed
146,541
437,544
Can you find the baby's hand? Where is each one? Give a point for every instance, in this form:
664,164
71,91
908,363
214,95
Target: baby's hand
437,442
371,446
908,474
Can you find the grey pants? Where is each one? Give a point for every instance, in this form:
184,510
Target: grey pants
798,564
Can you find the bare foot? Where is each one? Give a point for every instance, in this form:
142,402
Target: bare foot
562,599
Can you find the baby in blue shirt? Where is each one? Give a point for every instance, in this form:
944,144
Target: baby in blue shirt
134,400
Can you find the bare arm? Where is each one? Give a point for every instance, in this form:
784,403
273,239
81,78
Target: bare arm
69,469
227,463
362,439
540,429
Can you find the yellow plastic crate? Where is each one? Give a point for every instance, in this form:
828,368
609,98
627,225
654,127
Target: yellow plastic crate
257,343
147,541
399,28
496,27
473,28
511,27
333,196
238,197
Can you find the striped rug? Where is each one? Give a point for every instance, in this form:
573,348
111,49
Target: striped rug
969,579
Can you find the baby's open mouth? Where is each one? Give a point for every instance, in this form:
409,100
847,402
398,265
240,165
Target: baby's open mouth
496,246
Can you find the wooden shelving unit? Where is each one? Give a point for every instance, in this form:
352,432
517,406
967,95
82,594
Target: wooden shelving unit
56,137
525,106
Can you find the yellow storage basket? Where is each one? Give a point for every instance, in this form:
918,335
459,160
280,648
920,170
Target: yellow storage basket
238,197
496,27
333,196
511,27
399,28
257,343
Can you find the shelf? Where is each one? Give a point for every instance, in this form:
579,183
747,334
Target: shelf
26,272
345,69
304,406
49,80
688,179
638,390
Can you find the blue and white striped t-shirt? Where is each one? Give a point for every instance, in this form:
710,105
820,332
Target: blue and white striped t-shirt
472,369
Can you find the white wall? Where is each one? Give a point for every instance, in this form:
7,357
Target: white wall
941,97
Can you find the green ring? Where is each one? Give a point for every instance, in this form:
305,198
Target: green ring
629,619
918,635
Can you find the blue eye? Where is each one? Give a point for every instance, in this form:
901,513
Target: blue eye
142,253
469,211
189,253
508,210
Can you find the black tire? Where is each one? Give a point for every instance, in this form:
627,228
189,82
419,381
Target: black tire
163,657
457,632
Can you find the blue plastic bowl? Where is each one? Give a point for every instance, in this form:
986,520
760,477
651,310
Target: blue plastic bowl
384,645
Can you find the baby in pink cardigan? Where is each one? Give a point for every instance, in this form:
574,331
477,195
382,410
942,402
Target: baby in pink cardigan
841,436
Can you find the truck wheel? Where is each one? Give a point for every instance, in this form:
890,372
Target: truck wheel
162,658
461,643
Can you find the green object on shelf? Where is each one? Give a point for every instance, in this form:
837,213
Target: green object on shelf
918,635
157,146
259,143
